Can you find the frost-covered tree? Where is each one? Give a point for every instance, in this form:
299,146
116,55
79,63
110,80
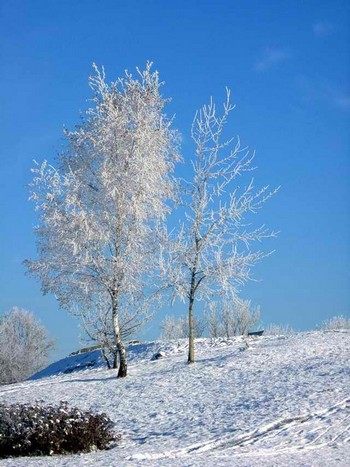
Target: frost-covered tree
198,326
212,254
246,316
230,318
98,207
336,323
212,318
172,328
229,323
24,346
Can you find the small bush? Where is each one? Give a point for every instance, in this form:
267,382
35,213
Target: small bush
37,430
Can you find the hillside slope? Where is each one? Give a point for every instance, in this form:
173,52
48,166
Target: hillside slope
282,401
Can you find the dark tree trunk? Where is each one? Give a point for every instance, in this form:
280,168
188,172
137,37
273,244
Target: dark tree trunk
191,319
191,333
106,358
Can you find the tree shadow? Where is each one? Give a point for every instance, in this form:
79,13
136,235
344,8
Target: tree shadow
87,380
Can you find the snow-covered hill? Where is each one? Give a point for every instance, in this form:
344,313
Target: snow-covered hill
281,401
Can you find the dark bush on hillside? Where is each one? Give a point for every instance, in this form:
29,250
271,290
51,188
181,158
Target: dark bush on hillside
37,430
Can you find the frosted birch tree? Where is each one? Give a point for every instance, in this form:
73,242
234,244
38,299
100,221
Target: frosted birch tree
98,207
212,254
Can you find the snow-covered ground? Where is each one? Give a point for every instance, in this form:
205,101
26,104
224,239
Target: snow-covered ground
282,401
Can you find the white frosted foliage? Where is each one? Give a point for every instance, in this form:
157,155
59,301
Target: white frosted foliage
98,207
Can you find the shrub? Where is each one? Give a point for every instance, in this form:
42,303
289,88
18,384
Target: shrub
37,430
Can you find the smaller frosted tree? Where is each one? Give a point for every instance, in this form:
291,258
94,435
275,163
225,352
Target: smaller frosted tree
212,318
336,323
173,329
198,326
212,254
170,329
24,346
246,316
230,318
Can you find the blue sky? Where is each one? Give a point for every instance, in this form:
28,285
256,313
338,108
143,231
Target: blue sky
287,64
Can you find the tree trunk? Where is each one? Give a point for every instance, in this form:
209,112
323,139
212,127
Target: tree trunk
123,367
115,359
191,320
106,358
191,333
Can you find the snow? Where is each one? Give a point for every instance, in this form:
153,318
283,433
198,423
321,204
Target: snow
284,400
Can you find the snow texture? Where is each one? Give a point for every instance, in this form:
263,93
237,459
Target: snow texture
282,401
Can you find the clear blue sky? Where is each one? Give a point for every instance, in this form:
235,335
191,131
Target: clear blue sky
287,63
